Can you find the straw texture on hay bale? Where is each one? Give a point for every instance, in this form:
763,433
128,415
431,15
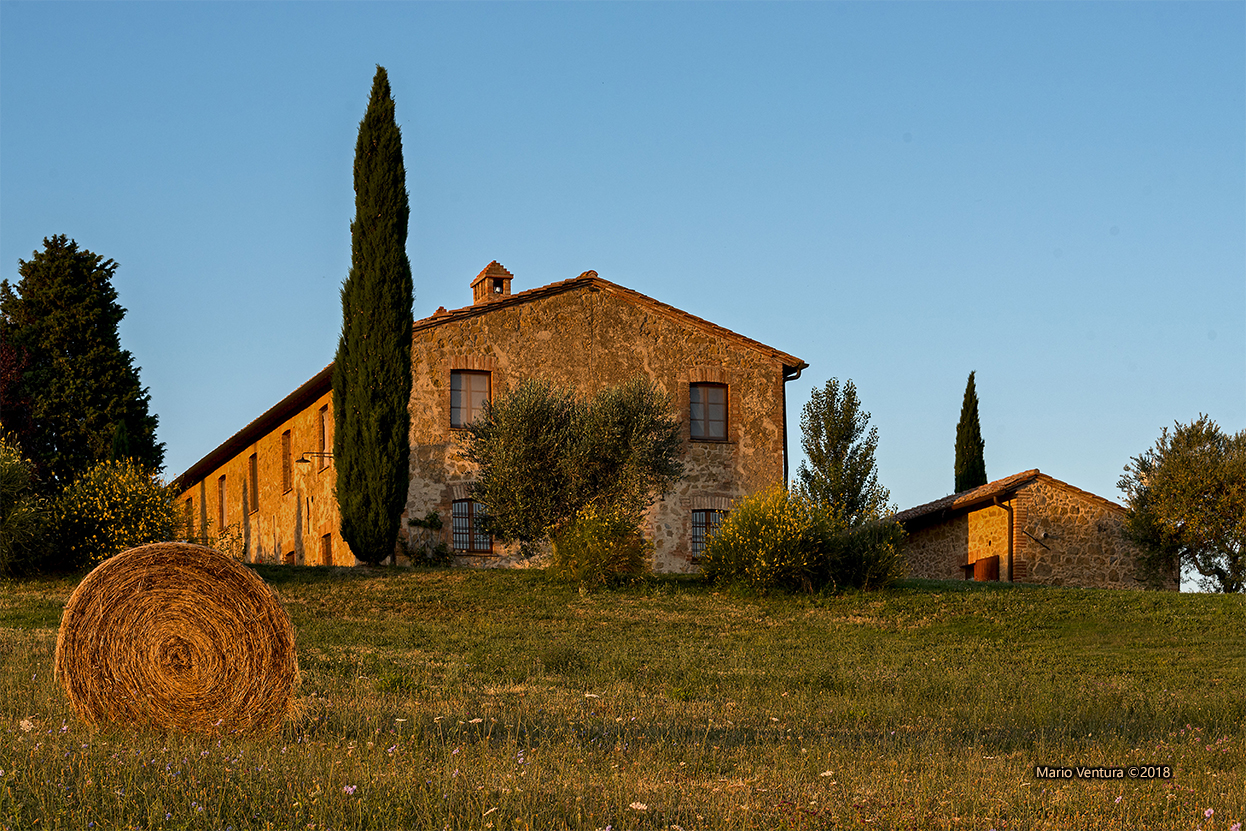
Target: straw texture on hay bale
177,636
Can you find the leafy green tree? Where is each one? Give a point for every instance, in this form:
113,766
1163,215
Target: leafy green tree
970,464
372,369
839,472
65,382
24,517
543,455
1187,505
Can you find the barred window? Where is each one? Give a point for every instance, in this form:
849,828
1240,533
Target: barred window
704,524
467,535
707,411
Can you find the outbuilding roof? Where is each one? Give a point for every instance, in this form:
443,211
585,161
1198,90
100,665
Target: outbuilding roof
1002,489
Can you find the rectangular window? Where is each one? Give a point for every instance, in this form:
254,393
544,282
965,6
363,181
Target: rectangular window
467,534
707,411
325,441
704,524
468,393
253,473
220,504
287,473
326,550
190,518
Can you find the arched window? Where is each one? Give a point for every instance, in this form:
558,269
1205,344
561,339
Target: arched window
467,535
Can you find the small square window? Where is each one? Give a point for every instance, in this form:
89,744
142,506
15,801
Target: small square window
468,393
707,411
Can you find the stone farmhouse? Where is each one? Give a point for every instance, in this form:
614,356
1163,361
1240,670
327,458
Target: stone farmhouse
1025,528
273,481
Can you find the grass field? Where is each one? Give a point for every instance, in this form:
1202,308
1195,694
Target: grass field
499,700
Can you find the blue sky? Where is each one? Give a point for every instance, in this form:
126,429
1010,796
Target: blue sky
1050,194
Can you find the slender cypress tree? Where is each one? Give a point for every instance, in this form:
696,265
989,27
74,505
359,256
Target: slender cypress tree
970,465
65,382
372,370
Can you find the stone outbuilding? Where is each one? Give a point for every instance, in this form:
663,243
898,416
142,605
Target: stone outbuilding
273,481
1025,528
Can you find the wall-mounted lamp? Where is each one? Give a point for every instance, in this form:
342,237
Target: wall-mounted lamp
304,460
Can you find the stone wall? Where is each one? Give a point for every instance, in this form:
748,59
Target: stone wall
1066,537
587,338
938,551
282,525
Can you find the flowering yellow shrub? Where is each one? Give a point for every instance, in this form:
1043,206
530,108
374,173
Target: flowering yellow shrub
599,548
781,539
111,507
770,540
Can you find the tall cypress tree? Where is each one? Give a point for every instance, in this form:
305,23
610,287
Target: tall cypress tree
372,370
970,464
67,387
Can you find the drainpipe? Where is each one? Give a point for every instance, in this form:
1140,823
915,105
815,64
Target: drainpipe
1007,508
786,377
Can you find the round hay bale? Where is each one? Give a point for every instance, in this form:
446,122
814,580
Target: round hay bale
177,636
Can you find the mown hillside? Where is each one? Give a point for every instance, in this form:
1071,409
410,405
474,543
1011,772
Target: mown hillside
501,700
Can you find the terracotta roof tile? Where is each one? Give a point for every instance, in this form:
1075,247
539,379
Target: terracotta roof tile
985,494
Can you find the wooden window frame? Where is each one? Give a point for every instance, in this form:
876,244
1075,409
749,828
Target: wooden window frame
324,437
287,462
253,483
459,375
475,540
220,503
705,422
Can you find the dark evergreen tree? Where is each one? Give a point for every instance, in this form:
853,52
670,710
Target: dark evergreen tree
970,464
840,473
65,381
372,370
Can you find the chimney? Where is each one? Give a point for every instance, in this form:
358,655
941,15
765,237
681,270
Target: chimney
493,283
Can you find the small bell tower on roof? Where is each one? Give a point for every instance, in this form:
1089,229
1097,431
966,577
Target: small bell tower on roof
492,284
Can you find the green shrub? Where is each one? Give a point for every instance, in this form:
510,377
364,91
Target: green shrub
111,507
868,557
599,548
781,539
23,515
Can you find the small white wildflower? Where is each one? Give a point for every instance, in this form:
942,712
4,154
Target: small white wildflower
591,695
638,806
827,773
27,725
475,721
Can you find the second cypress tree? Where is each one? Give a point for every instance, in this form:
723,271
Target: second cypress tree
970,464
372,369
